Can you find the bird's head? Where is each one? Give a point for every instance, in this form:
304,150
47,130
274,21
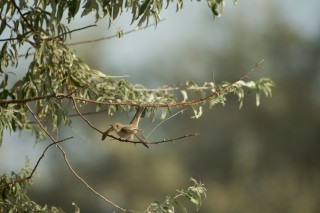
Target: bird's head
117,127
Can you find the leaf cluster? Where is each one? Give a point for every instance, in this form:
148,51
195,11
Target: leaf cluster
55,68
13,194
14,198
36,22
172,204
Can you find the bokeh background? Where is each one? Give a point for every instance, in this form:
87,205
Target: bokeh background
257,159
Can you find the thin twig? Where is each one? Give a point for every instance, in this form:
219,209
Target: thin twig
87,113
130,141
24,19
86,120
160,123
40,124
71,31
85,183
50,38
37,164
154,142
53,143
174,139
69,165
109,37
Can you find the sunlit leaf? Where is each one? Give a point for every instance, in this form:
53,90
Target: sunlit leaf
3,25
197,111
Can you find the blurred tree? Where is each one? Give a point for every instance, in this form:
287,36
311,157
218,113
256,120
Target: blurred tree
57,78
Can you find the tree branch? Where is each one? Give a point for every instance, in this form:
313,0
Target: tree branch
22,101
85,183
130,141
87,41
174,139
71,31
50,38
69,165
86,120
37,164
177,104
181,111
109,37
8,39
154,142
24,19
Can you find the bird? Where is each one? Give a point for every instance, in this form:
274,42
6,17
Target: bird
128,131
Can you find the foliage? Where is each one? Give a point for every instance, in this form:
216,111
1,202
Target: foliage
55,68
55,73
172,204
14,198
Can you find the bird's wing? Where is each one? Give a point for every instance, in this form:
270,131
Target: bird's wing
127,129
139,134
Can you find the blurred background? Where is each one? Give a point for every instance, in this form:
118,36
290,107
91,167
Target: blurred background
257,159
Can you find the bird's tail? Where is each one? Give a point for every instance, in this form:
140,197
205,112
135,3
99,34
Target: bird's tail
106,133
141,138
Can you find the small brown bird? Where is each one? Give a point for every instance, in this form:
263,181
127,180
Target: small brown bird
128,131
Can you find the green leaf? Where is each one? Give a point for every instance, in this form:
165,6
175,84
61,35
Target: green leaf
37,3
3,25
197,111
214,5
144,7
179,4
164,113
116,8
144,18
184,95
90,5
134,10
76,208
60,11
73,7
257,99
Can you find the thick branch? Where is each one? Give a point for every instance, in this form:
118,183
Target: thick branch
8,39
22,101
50,38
